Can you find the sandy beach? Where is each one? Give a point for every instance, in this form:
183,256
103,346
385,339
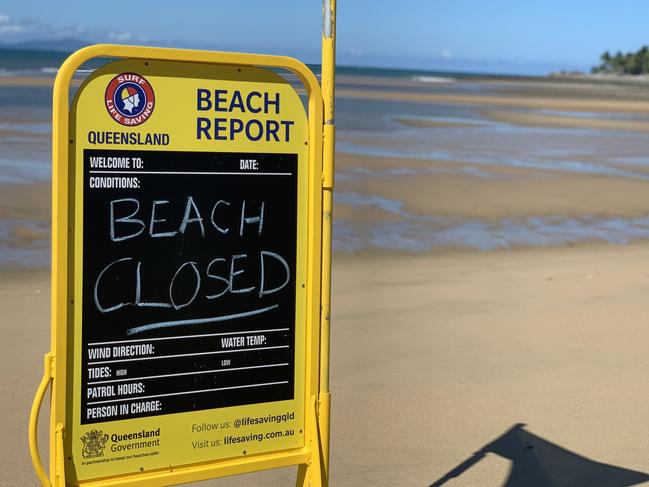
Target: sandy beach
455,351
455,362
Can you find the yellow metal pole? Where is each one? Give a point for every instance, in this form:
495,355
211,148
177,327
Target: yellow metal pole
328,150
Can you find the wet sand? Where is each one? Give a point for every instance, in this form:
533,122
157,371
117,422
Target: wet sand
409,122
513,193
437,354
555,103
25,201
541,120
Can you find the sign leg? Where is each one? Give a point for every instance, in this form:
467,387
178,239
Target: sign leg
313,474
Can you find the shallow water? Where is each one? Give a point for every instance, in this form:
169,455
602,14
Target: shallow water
576,150
375,128
417,233
594,115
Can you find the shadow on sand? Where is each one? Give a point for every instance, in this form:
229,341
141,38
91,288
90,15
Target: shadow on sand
538,463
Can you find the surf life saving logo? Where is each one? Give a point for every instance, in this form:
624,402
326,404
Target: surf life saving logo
129,99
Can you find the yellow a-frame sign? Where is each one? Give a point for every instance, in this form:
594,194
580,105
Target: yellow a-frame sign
191,268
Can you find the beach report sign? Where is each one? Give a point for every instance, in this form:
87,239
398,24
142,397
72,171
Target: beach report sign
191,323
187,263
187,338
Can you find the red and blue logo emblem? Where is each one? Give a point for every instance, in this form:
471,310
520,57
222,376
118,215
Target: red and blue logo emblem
129,99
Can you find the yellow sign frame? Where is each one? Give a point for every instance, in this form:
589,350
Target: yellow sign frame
313,457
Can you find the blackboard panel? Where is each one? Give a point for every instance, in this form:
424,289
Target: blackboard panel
189,262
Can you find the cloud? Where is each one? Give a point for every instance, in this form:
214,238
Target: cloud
17,30
120,36
29,29
11,28
446,54
355,51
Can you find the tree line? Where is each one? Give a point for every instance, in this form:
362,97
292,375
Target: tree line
629,63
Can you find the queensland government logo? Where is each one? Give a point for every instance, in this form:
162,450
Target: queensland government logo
94,442
129,99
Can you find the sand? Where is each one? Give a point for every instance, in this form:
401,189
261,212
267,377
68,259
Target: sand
456,351
419,123
515,193
434,356
541,120
18,133
24,315
25,202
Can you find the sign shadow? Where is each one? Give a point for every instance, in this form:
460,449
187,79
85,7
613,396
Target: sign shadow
539,462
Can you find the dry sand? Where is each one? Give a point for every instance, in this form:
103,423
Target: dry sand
434,356
24,315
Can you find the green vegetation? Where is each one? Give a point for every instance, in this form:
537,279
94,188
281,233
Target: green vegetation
629,63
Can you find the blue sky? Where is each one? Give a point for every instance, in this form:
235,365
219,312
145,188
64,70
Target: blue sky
522,36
